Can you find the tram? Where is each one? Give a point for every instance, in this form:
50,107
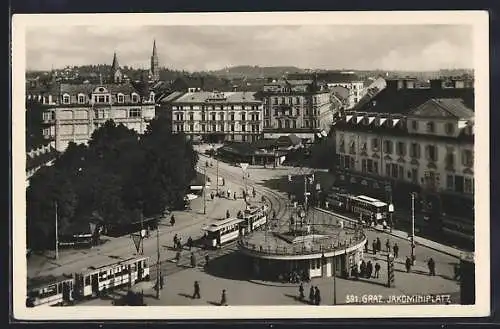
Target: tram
50,291
96,280
361,205
88,283
222,232
255,216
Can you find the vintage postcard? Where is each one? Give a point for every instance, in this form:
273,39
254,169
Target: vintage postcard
250,165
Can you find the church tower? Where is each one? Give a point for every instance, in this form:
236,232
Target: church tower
116,73
155,70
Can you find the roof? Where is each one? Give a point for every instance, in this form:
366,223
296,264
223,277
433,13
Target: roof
42,281
290,140
452,106
84,88
402,101
42,159
264,143
228,97
172,96
217,225
244,149
342,93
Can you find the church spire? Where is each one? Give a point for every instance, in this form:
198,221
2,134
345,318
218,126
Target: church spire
115,66
154,69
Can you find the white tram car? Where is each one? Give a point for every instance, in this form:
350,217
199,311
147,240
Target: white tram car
255,216
87,283
222,232
366,207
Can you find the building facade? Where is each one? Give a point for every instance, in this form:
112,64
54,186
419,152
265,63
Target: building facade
300,107
73,112
215,116
411,140
356,90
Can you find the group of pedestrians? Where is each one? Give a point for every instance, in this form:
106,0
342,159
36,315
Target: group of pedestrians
314,294
366,269
377,247
197,294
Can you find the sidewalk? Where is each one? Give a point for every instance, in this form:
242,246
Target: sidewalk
404,235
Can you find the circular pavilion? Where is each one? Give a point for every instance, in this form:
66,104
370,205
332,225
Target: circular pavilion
304,249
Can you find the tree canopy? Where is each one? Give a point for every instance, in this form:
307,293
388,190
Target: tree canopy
117,177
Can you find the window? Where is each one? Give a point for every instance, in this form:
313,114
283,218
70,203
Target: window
243,128
469,185
135,98
81,99
401,149
243,116
203,117
266,112
275,100
191,127
213,116
388,147
388,169
232,127
363,165
450,182
414,175
191,116
414,125
66,99
294,124
297,100
203,128
450,160
120,98
87,281
48,115
287,123
267,123
375,144
221,116
450,128
352,147
415,150
431,127
134,113
297,112
432,153
467,158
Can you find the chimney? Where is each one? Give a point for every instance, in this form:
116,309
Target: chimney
436,84
392,84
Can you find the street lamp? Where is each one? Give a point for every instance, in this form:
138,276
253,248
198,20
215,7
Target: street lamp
412,237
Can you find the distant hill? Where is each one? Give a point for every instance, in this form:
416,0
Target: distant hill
255,72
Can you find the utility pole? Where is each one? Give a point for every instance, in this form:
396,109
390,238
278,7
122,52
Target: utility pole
142,232
57,232
205,188
305,193
158,264
412,240
334,281
217,184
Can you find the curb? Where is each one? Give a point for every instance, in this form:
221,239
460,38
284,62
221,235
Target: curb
456,255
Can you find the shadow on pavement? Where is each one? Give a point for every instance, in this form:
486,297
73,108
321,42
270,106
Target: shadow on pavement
185,295
297,299
370,281
213,303
229,266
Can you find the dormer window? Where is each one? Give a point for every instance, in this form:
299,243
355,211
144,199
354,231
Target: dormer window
65,99
81,98
135,98
151,97
431,127
120,98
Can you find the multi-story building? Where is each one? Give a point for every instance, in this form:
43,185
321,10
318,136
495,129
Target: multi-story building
215,116
349,80
419,140
300,107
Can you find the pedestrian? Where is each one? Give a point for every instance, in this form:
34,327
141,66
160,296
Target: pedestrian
374,246
362,268
228,214
387,246
379,245
369,269
172,220
193,260
223,181
179,243
207,259
228,193
408,264
196,293
301,291
175,241
377,270
432,267
190,243
396,250
311,295
366,246
212,195
234,195
253,192
162,281
223,298
317,296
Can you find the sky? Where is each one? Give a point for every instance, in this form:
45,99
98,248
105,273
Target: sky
199,48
